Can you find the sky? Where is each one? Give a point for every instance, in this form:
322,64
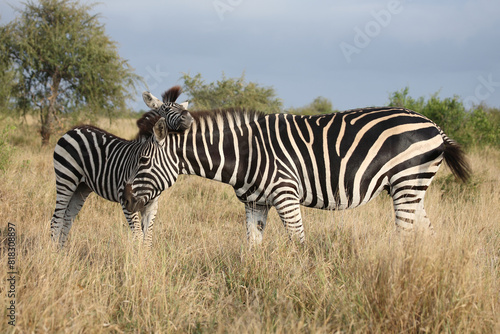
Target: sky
354,53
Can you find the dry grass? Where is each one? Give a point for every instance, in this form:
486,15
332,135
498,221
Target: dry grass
354,275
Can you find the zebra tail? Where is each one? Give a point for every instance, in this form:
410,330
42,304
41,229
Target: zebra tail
456,160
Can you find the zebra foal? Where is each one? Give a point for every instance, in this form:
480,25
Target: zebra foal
333,162
88,159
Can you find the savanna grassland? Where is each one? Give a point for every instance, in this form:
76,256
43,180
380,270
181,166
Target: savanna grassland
355,273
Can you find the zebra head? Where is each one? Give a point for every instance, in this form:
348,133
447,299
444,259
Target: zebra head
176,115
154,170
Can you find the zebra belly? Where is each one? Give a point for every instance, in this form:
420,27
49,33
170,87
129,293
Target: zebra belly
335,203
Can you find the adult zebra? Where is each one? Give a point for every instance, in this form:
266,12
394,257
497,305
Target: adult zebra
336,161
88,159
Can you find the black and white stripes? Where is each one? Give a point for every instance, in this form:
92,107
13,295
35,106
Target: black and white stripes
88,159
332,162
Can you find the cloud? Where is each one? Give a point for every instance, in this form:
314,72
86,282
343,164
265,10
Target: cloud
294,45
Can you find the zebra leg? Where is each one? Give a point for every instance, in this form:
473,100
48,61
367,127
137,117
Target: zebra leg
409,209
289,212
134,223
67,207
256,222
57,221
148,216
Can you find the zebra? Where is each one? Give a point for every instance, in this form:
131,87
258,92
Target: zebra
176,115
333,162
88,159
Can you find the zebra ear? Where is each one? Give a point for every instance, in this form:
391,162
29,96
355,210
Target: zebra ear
185,105
160,131
151,101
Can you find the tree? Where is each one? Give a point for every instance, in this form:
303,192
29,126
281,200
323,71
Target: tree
230,92
320,105
64,60
402,99
7,75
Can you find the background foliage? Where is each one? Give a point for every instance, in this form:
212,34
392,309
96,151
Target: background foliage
230,92
57,63
320,105
59,59
479,126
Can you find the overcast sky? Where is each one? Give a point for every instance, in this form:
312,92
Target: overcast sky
352,52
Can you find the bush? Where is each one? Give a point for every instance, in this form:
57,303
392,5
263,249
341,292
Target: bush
478,127
483,127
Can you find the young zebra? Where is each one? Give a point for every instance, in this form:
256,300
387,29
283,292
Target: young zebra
332,162
88,159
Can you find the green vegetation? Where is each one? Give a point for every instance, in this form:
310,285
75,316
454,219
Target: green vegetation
318,106
479,126
7,74
230,92
62,60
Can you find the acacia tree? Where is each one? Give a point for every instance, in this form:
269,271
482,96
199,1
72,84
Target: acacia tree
230,92
64,60
7,77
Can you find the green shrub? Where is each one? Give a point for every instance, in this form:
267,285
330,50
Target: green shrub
477,127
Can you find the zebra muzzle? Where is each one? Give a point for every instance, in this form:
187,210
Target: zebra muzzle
130,201
186,120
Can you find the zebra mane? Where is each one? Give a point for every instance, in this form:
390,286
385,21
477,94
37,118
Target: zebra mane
172,94
146,124
149,119
233,112
93,128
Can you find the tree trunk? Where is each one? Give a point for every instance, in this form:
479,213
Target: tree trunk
47,125
49,118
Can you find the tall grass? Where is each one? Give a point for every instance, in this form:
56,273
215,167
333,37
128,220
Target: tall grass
355,273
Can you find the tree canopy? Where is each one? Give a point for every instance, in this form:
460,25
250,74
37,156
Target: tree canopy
230,92
320,105
64,60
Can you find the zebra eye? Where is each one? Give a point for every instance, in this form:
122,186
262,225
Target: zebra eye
144,160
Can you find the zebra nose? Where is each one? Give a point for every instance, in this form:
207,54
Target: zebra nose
131,203
186,121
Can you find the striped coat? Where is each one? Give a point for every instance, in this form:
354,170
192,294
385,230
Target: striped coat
332,162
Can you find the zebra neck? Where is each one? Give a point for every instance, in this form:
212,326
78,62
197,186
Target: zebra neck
213,150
